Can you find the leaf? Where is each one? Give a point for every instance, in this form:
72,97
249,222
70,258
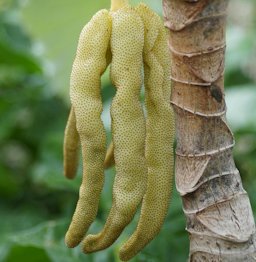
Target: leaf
28,254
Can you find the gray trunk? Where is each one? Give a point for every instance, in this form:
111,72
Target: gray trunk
219,215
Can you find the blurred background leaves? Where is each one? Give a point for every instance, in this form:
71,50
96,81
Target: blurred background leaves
37,46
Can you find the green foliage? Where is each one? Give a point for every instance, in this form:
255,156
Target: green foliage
37,202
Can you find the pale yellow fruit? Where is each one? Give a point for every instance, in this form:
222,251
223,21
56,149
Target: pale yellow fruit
109,159
128,127
128,38
89,64
71,147
160,135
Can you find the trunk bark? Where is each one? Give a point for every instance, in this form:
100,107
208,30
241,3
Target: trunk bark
219,216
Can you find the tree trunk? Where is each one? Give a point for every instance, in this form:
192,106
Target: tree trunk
219,215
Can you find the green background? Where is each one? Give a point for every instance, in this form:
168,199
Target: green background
38,40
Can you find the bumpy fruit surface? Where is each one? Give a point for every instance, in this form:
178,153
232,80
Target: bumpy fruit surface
134,41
